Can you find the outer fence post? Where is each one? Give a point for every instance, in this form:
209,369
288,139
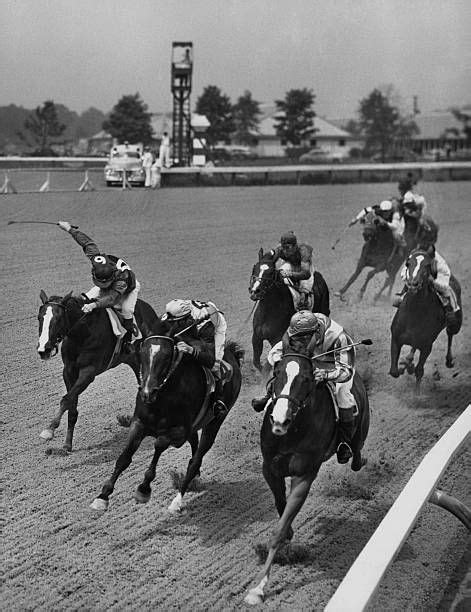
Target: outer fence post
87,185
8,186
47,183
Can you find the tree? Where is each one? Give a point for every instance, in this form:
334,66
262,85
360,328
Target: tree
381,122
246,114
218,110
130,121
295,121
42,125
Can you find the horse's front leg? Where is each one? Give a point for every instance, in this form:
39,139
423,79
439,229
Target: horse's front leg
135,436
257,348
208,435
69,402
352,279
396,346
449,362
300,486
69,375
419,368
144,490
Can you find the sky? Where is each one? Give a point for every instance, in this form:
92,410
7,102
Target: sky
84,53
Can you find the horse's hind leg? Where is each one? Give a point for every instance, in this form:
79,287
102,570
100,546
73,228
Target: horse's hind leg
369,276
352,279
143,491
194,442
208,435
135,437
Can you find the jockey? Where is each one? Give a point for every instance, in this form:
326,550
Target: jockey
312,334
441,283
294,261
115,284
391,212
201,321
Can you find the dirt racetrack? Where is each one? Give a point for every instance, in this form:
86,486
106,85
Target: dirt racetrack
60,555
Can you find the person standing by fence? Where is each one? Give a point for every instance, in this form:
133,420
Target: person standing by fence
164,151
147,161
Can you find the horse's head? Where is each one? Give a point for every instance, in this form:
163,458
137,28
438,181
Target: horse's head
53,323
420,266
159,358
292,387
372,224
264,276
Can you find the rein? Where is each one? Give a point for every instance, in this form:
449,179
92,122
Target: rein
297,403
176,359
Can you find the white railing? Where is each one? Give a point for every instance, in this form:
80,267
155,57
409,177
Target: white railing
363,578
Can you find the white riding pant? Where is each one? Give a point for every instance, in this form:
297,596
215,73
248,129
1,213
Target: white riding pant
126,303
344,395
220,339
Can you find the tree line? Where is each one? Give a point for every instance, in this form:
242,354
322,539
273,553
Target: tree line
379,120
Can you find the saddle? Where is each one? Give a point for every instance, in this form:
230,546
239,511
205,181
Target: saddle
206,413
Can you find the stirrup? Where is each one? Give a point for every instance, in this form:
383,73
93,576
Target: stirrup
344,452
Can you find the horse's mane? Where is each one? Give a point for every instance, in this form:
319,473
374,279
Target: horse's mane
235,348
71,302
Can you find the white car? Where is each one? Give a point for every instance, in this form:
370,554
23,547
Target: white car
124,158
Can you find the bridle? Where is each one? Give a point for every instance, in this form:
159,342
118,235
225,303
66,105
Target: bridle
267,281
298,404
423,277
173,365
62,332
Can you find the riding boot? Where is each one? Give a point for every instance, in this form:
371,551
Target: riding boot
259,403
219,406
126,346
346,431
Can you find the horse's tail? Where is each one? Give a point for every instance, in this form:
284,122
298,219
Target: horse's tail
235,348
321,294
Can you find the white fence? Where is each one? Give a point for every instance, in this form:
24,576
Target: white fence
363,578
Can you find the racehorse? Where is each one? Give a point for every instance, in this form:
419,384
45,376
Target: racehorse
380,253
88,344
421,317
299,433
172,404
275,303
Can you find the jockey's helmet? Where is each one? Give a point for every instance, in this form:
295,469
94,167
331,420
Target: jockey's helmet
288,239
386,205
177,309
103,271
408,198
303,322
420,201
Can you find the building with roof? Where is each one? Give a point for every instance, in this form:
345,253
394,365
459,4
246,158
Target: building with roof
438,131
327,136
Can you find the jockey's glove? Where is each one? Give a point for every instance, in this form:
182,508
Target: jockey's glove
320,375
86,308
285,273
183,347
65,225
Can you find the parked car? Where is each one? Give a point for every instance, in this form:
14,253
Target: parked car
125,158
320,156
235,152
403,155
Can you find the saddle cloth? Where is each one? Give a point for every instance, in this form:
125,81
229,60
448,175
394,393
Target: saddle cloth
119,332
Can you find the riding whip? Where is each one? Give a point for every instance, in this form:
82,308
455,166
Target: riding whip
340,237
367,341
45,222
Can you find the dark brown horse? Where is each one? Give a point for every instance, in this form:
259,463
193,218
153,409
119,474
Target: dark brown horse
275,303
421,317
88,344
380,253
172,405
299,433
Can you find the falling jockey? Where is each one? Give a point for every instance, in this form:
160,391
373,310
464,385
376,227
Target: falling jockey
314,334
115,284
201,321
294,261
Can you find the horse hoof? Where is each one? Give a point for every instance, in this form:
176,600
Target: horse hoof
394,373
124,420
176,505
253,597
99,504
357,464
141,498
46,434
450,363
